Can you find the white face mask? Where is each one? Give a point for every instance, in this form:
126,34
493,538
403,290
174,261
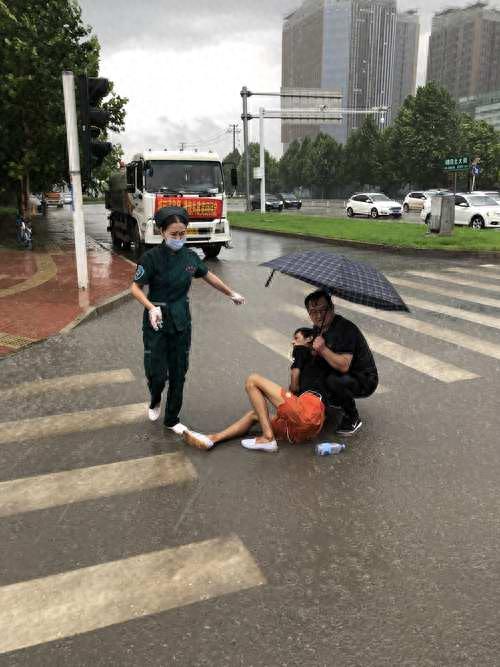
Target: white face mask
175,244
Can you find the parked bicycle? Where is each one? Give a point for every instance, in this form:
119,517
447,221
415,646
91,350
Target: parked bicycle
24,233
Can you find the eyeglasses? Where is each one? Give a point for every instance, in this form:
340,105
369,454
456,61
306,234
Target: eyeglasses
318,311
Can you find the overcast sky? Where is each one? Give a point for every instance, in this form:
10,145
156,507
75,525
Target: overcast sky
182,64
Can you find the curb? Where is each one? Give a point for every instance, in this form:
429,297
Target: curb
400,250
96,311
91,313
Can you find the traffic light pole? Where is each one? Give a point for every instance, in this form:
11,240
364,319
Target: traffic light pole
76,181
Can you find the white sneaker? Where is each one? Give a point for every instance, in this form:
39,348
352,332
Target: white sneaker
178,428
198,440
154,413
251,443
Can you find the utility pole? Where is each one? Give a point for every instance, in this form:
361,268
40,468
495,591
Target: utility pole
68,81
245,94
233,127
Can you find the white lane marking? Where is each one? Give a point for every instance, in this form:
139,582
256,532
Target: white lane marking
67,383
71,422
459,313
71,603
73,486
478,284
440,333
423,363
473,271
472,297
280,344
494,267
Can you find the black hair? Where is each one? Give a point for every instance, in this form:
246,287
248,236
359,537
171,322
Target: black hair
171,220
317,295
307,332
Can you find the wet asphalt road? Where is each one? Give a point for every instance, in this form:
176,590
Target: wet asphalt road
384,555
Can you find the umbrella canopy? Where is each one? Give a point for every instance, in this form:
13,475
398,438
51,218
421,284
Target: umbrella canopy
344,277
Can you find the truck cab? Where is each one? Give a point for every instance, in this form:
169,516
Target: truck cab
155,179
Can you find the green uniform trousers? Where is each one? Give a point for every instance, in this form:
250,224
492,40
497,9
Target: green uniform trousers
166,357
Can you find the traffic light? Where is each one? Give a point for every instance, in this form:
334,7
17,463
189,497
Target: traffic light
92,121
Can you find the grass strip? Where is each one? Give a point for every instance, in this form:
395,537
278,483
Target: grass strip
381,232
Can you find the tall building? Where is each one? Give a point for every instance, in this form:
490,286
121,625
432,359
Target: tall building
464,50
405,59
340,45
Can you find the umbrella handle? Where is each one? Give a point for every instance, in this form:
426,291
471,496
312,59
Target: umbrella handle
268,282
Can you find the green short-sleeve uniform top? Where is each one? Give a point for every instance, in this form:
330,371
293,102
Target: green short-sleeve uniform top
168,275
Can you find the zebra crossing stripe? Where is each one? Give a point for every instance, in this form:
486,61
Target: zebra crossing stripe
280,344
440,333
472,297
473,271
71,422
67,383
423,363
78,601
455,280
73,486
459,313
494,267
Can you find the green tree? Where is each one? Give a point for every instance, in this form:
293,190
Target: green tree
481,140
425,132
325,163
38,41
363,154
288,166
272,170
231,161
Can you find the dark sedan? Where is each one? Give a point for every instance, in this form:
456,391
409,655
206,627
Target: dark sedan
290,200
273,203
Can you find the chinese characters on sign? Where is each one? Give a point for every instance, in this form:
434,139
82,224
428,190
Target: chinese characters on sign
457,164
199,208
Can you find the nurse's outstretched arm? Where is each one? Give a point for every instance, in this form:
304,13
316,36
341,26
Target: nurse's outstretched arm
216,282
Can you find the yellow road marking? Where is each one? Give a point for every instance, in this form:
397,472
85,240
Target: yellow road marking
46,270
14,341
71,603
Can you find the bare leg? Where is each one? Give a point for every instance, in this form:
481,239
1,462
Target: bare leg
259,389
236,429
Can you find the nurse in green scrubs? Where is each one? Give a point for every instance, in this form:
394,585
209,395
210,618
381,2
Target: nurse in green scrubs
168,270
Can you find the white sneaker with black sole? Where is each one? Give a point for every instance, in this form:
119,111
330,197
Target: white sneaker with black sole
349,426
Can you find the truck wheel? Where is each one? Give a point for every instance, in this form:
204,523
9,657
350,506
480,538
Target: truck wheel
117,243
211,251
138,244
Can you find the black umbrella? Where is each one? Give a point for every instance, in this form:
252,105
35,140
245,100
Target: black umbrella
344,277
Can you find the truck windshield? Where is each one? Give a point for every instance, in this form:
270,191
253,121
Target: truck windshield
196,177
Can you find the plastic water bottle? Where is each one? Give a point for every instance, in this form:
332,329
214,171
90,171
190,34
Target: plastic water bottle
327,448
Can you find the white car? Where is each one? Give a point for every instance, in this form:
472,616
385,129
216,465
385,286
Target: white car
494,194
417,199
372,204
476,211
67,198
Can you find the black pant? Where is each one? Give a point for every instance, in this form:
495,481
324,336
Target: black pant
343,389
166,357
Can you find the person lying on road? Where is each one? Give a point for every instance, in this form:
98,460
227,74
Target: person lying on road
300,410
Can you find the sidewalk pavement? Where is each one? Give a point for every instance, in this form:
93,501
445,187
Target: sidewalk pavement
38,289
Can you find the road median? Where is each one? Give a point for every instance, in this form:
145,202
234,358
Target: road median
372,234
